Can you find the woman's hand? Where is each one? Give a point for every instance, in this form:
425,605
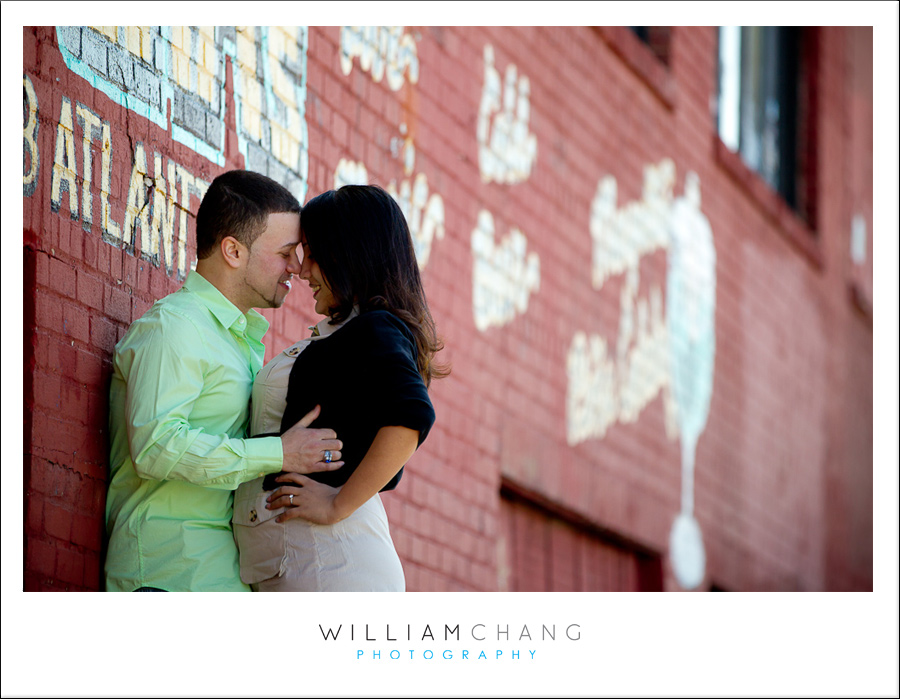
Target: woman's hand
312,501
322,504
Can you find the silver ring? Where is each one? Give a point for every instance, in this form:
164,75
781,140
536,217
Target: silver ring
328,456
291,498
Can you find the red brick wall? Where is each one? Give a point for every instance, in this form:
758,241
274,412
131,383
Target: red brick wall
783,483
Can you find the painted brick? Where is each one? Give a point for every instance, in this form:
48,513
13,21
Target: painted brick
90,291
213,129
139,307
503,410
418,549
194,117
40,557
93,566
83,498
47,391
75,322
52,441
73,401
70,566
103,334
34,513
87,531
63,277
39,480
147,85
95,52
90,245
29,48
53,586
89,370
121,68
57,521
48,311
117,305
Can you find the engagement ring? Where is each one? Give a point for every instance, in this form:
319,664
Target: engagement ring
327,457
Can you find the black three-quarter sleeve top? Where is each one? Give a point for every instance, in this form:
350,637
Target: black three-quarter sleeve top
365,377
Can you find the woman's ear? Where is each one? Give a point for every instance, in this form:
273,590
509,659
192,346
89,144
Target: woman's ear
234,252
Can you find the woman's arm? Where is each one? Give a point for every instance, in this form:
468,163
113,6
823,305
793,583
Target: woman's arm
391,449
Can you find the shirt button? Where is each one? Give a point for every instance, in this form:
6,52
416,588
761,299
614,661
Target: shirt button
262,475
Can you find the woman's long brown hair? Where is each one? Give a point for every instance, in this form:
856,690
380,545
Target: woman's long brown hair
360,239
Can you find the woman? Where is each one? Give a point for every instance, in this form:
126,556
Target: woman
368,366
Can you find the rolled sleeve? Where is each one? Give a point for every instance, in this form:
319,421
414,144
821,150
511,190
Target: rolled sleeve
168,387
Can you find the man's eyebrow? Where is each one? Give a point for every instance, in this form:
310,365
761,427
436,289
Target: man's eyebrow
288,245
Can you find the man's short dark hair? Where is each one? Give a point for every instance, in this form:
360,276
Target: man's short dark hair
238,203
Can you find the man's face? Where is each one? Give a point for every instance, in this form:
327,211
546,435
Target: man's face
272,261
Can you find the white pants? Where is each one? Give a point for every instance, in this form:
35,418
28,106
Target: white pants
354,555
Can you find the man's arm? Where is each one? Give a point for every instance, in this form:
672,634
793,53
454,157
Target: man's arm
316,502
165,368
304,448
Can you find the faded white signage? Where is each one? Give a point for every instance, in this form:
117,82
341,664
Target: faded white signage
691,319
504,276
175,78
423,209
668,352
623,235
350,172
270,96
158,199
153,201
30,155
390,52
607,386
384,52
858,243
506,148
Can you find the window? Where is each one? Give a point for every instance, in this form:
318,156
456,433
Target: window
547,548
646,50
657,39
765,104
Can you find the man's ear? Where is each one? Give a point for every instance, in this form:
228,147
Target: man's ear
234,252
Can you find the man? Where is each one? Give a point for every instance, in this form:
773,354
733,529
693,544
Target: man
179,398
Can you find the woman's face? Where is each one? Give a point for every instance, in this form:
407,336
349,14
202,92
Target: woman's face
310,271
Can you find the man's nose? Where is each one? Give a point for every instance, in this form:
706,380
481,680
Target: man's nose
294,266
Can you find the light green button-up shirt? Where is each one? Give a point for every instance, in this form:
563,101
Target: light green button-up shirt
179,411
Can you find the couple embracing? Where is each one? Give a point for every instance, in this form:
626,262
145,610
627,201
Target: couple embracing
229,475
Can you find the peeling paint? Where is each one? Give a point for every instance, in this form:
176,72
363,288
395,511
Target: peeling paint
65,166
504,274
350,172
30,156
423,210
383,52
506,148
150,68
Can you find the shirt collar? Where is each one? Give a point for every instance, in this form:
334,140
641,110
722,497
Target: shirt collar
252,322
324,328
